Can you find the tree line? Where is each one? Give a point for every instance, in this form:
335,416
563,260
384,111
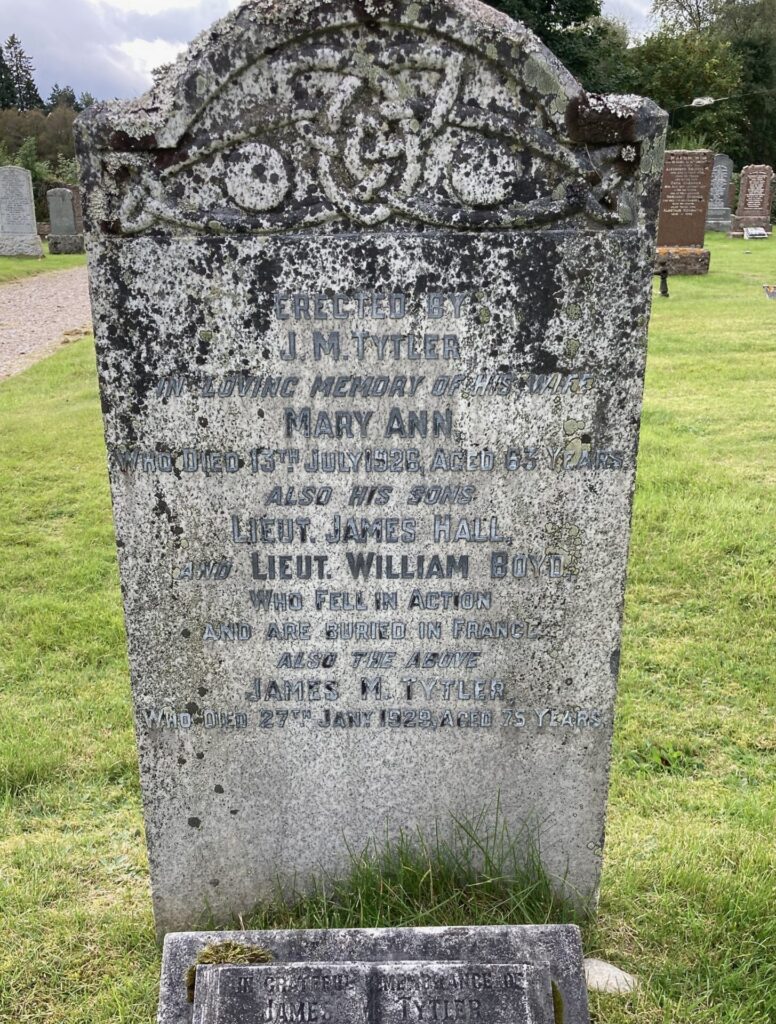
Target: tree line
35,134
718,50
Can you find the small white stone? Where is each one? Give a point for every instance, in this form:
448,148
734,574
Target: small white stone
603,977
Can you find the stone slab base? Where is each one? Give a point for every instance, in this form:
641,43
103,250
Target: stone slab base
61,245
721,223
682,262
737,225
391,992
21,245
557,946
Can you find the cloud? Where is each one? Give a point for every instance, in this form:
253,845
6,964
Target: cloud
143,6
147,54
106,47
634,12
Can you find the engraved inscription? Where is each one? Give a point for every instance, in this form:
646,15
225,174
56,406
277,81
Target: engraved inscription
17,211
381,993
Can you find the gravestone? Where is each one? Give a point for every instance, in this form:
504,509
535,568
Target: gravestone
754,199
684,200
382,993
78,213
371,325
684,197
541,963
719,212
18,229
64,236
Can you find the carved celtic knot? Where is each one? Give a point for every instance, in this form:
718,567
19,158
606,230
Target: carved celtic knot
376,142
361,127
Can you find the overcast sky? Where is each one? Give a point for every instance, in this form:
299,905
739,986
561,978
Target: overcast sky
108,47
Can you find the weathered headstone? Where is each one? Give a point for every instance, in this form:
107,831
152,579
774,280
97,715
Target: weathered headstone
684,197
754,199
371,323
719,212
78,213
18,229
684,200
545,961
381,993
64,236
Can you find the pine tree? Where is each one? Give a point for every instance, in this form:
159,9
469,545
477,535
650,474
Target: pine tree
21,69
62,95
7,87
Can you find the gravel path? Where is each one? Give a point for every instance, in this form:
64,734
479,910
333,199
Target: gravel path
40,313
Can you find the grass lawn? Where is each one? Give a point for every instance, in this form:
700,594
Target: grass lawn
688,899
12,268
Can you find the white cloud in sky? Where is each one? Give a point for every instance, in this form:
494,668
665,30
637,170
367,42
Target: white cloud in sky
147,54
634,12
151,6
109,47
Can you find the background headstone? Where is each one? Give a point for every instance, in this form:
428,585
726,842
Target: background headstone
684,197
18,229
78,213
64,236
719,212
371,388
556,949
754,199
684,200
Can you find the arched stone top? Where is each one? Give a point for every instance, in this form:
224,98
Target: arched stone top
287,116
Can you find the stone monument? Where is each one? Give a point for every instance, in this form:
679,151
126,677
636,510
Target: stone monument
64,236
394,991
78,214
18,229
754,199
684,200
719,212
530,974
370,285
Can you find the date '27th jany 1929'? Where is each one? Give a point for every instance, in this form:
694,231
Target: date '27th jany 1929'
543,718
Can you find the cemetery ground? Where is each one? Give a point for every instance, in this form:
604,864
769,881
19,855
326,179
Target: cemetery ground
13,269
687,899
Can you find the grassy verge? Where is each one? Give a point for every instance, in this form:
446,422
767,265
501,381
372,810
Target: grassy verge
690,866
12,268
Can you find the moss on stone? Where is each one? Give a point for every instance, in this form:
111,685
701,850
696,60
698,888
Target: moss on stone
557,1003
225,953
